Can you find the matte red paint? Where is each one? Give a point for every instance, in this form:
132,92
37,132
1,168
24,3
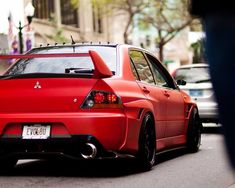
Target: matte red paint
101,69
116,129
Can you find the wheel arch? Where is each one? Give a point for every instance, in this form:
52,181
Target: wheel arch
135,112
151,122
193,111
194,130
147,142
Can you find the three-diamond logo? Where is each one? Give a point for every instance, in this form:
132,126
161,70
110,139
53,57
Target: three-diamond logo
37,86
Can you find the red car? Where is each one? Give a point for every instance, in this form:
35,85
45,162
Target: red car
92,101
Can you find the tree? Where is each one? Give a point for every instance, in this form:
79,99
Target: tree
199,51
128,7
168,17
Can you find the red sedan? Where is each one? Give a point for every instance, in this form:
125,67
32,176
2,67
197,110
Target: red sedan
92,101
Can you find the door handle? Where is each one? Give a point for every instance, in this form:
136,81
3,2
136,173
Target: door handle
166,93
145,90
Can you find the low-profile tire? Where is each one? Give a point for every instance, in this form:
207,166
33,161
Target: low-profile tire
147,144
194,132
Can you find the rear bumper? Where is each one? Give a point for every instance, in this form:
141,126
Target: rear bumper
69,132
67,148
208,113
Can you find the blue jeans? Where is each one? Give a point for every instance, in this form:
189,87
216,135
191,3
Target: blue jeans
220,50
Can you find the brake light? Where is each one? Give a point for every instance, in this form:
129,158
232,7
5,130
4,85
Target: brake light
102,99
99,98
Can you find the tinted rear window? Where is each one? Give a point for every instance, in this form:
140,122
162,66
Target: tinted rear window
61,64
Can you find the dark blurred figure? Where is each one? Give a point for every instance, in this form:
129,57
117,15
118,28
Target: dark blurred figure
218,18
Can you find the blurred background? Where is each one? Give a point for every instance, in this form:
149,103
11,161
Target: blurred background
161,26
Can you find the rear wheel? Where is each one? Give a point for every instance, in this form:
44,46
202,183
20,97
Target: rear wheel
194,132
147,144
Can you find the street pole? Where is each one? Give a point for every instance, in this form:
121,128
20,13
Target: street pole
29,11
21,45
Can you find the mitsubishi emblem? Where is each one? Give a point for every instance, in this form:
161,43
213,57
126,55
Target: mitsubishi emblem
37,85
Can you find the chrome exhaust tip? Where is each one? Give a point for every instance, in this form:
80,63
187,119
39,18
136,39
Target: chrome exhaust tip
89,151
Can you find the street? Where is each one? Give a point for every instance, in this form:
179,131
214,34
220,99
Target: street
85,78
206,169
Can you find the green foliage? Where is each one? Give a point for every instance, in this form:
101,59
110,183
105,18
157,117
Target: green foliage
167,17
74,3
131,8
198,51
58,36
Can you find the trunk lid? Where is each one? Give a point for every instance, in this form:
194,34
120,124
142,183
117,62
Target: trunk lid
39,95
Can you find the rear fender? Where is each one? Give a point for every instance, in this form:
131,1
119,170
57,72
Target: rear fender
189,106
135,111
189,110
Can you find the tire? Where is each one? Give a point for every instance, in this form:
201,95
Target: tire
194,132
147,144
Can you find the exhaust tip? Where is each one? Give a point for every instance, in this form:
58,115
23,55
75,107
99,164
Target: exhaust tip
89,151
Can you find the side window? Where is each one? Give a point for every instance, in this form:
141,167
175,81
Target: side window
160,78
134,71
142,67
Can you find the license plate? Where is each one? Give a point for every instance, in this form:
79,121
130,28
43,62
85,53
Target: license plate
36,131
195,93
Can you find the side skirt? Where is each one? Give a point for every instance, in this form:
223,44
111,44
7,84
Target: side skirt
171,142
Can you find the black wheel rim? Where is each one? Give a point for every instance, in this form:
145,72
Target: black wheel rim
197,132
149,145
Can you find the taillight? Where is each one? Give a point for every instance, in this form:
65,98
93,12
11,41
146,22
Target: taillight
112,98
99,98
102,99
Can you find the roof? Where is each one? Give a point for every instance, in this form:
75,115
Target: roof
193,65
78,44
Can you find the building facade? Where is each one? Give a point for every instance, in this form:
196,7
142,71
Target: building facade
58,20
55,21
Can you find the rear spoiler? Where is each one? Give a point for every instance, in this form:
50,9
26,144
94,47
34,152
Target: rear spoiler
101,70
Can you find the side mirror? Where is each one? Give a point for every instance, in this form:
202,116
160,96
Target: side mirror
181,82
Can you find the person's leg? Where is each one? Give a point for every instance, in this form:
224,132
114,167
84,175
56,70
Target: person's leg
220,50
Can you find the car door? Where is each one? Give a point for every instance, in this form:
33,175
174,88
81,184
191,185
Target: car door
175,101
145,80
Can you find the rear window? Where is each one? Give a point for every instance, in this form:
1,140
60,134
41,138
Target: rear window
193,75
64,64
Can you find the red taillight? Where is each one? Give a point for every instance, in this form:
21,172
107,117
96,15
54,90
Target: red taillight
102,99
99,98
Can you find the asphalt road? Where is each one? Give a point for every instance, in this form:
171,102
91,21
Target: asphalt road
206,169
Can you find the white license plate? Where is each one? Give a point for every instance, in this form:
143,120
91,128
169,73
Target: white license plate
195,93
36,131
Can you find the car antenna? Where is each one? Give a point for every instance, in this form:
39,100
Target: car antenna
73,42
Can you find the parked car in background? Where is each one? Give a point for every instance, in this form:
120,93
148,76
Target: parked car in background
96,101
199,87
